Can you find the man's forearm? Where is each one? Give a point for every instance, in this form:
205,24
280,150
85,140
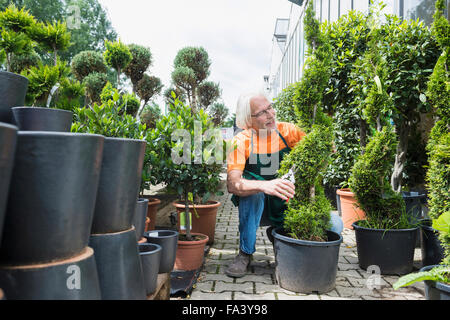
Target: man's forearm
243,187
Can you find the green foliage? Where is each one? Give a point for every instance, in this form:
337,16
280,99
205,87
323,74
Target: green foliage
16,20
284,104
440,274
150,115
309,90
191,68
141,61
169,98
94,83
41,80
307,216
148,87
131,104
87,62
348,39
208,92
117,55
384,208
70,94
52,37
106,119
24,61
218,113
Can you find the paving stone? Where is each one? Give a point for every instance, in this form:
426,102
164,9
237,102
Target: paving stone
260,278
246,296
246,287
284,296
198,295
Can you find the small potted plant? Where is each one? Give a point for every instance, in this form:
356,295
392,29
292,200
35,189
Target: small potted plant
183,159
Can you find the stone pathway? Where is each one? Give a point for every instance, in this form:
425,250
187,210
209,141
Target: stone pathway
352,283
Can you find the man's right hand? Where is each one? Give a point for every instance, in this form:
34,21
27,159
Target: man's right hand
281,188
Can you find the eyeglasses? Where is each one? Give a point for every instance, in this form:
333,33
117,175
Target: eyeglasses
263,112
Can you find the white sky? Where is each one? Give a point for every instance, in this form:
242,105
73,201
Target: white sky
237,34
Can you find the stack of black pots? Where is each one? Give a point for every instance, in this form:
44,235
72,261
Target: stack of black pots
113,236
66,203
44,252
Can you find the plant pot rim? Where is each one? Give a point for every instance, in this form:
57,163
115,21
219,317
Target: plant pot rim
86,253
213,204
151,199
441,285
279,236
56,134
40,108
13,73
357,227
147,244
113,233
142,200
193,242
345,192
418,195
121,139
8,126
151,232
427,225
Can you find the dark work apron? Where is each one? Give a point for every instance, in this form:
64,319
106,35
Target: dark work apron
274,206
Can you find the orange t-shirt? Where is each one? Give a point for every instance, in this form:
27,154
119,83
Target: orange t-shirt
262,144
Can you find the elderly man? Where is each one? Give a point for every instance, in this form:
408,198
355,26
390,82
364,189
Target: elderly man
252,168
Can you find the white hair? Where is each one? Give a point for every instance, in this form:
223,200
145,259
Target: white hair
243,110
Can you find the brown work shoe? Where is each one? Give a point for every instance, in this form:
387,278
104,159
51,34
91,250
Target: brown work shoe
239,266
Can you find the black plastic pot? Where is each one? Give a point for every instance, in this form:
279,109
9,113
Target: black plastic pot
42,119
8,138
118,265
414,208
13,88
435,290
140,214
391,250
306,266
119,184
168,240
432,250
52,196
71,279
150,254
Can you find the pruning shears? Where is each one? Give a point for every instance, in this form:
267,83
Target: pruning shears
290,176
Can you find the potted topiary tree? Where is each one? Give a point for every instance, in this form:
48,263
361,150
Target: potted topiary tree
306,251
435,276
184,153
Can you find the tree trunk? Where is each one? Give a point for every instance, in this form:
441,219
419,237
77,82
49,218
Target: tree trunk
400,157
187,217
362,134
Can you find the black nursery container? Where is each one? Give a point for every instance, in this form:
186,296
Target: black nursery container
13,88
118,265
52,196
140,215
8,138
391,250
168,240
42,119
150,254
306,266
72,279
431,247
119,184
435,290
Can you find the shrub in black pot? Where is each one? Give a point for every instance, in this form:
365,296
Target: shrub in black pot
385,238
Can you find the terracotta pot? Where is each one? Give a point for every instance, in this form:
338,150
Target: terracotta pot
153,204
205,223
2,295
349,207
147,223
190,253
